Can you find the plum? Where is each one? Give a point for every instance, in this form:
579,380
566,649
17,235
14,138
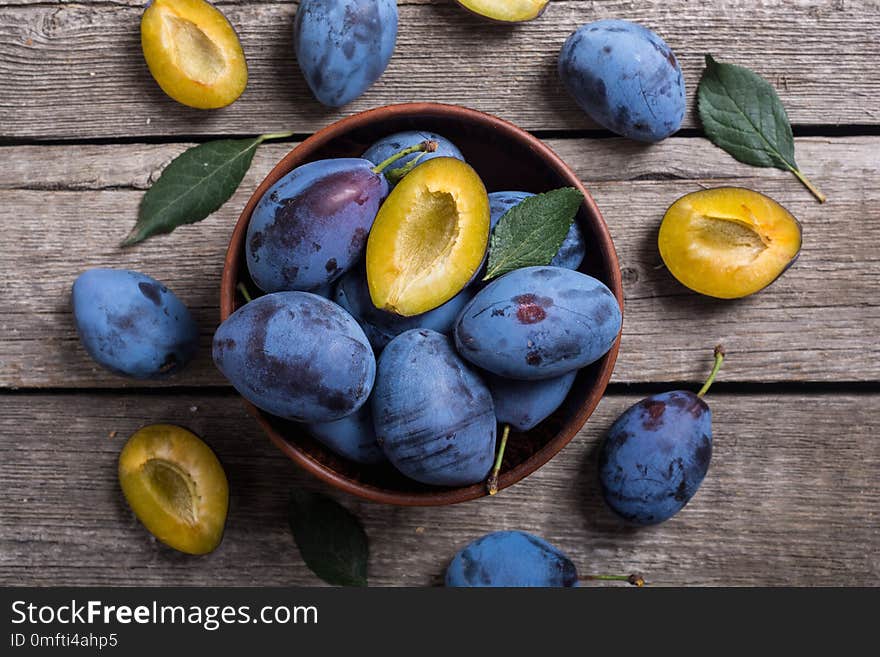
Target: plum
193,53
296,355
525,404
352,437
379,151
343,46
538,323
570,254
132,324
657,453
380,327
506,11
728,242
176,487
625,77
511,558
433,414
429,237
311,226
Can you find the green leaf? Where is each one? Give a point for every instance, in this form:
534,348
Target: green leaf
195,184
331,540
742,114
531,232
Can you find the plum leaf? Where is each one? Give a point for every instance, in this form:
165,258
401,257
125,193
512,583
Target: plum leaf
742,114
531,232
331,540
195,184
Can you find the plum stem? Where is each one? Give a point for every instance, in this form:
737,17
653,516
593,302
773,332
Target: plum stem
395,175
425,147
813,189
719,358
242,289
635,579
492,481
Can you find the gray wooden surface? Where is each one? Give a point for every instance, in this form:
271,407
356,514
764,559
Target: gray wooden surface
792,496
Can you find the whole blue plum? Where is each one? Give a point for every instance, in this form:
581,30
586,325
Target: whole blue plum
525,404
433,414
132,324
296,355
343,46
388,146
625,77
570,254
380,327
512,559
655,456
312,225
538,323
352,437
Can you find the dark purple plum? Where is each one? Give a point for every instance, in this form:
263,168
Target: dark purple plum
352,437
525,404
343,46
380,327
384,148
432,412
511,559
570,254
132,324
657,453
312,225
296,355
538,323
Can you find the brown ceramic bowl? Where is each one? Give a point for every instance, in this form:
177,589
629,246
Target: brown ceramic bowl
506,158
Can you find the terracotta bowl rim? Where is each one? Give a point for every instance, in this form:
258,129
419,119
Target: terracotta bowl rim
604,246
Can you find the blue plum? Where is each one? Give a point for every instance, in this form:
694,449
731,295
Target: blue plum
343,46
625,77
655,456
380,327
512,559
312,225
296,355
525,404
132,324
388,146
352,436
538,323
433,414
570,254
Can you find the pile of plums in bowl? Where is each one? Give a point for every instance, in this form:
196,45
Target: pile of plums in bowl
358,324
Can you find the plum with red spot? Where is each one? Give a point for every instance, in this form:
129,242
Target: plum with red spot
538,323
657,453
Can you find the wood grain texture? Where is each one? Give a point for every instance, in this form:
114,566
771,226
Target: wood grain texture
75,69
779,506
64,209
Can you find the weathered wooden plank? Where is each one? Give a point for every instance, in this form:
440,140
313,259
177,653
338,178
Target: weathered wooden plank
75,70
817,323
791,498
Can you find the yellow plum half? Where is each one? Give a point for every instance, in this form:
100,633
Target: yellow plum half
728,242
506,11
193,53
429,237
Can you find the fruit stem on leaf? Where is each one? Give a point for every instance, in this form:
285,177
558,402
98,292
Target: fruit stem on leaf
492,481
635,579
242,289
425,147
813,189
719,358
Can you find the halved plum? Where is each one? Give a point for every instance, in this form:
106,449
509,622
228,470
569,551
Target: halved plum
728,242
429,237
506,11
176,487
193,53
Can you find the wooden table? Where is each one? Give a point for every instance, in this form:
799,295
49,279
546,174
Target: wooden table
793,493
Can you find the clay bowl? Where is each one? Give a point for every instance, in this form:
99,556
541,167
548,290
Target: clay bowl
506,158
